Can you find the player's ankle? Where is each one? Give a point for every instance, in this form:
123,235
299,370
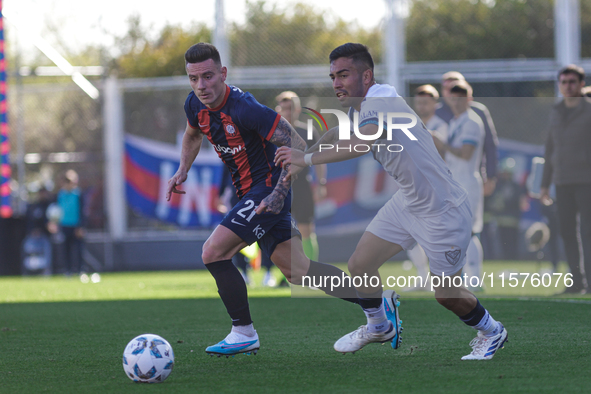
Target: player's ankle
247,330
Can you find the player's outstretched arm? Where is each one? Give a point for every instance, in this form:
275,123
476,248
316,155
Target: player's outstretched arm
328,153
284,135
330,137
190,148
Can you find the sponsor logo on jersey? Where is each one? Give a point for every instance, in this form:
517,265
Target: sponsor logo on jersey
227,149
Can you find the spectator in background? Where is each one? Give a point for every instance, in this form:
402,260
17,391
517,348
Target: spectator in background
302,206
463,155
425,103
70,201
304,196
586,91
568,167
37,248
488,167
94,206
505,206
37,212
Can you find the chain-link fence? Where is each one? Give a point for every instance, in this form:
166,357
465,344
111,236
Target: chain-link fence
585,28
287,49
60,128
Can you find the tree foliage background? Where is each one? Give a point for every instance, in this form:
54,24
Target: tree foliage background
63,119
480,29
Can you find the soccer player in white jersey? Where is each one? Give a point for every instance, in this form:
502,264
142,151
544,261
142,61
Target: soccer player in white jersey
463,155
430,207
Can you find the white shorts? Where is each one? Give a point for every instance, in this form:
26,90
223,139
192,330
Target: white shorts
476,199
444,237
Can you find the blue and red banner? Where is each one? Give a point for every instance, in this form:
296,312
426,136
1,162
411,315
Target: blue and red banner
357,188
148,167
5,207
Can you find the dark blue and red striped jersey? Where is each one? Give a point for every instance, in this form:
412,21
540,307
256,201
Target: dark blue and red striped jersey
239,130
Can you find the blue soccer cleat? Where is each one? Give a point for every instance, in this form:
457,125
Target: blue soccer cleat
391,305
234,344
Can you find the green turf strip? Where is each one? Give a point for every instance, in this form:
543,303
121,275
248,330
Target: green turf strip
76,347
199,284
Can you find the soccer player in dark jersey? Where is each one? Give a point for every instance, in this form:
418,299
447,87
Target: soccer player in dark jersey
245,135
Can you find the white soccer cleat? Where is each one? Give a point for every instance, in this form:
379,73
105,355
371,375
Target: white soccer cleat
484,348
357,339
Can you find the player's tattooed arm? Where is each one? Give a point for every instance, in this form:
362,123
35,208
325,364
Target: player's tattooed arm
284,135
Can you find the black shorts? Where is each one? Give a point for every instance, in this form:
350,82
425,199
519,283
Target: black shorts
302,206
268,229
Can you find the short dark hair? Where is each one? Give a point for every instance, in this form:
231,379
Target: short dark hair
427,90
572,69
201,52
461,87
356,52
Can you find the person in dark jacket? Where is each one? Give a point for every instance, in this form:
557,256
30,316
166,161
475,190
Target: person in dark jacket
568,166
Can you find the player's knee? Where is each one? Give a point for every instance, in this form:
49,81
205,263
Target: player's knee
356,267
210,254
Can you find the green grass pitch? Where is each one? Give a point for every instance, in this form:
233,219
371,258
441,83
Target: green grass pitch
60,335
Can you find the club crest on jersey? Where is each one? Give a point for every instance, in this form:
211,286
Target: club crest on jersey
230,129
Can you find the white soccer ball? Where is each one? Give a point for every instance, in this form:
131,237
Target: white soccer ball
148,358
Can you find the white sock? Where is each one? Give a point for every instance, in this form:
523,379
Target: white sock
488,326
245,330
474,258
376,319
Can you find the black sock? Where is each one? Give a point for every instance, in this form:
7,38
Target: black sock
368,301
475,316
345,292
232,290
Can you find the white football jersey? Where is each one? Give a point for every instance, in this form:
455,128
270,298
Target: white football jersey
422,176
468,129
437,127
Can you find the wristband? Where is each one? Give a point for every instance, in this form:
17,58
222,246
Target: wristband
308,159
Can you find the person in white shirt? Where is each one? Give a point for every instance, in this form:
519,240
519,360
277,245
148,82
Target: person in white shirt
425,104
463,155
430,207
